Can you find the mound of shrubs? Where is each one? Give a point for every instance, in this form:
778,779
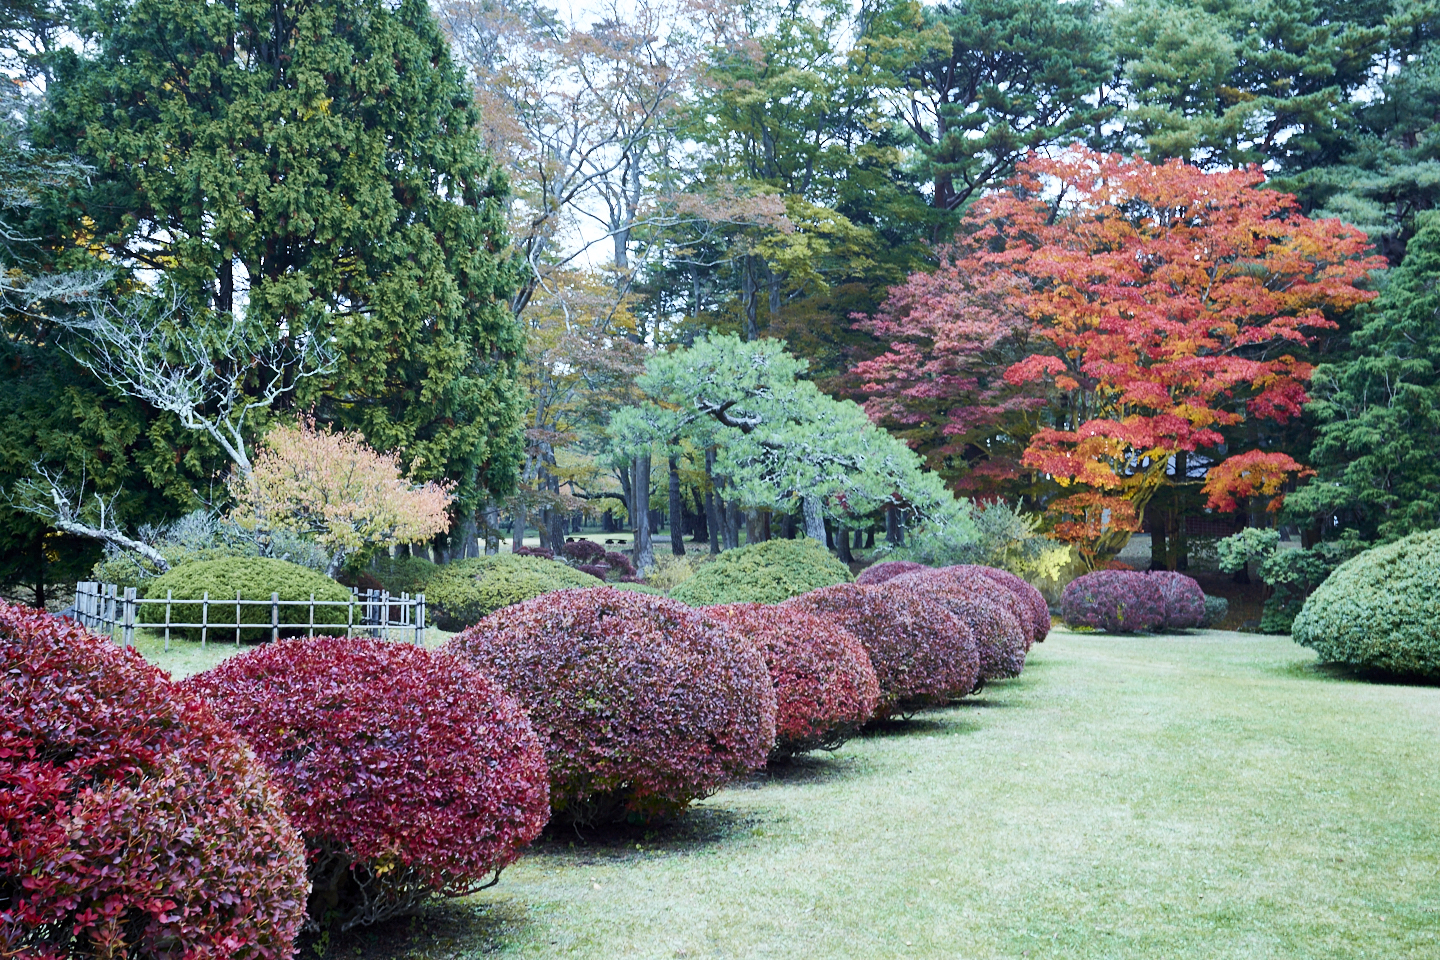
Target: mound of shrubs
255,578
1183,600
878,573
1379,610
1036,610
403,574
409,773
136,823
1115,601
973,582
922,656
1216,609
465,591
988,611
767,572
642,704
825,686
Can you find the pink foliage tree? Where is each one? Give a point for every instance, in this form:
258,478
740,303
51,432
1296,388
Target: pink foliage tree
336,489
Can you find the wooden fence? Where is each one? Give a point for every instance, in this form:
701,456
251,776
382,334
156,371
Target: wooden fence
107,608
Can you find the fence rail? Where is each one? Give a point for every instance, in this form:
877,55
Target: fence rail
108,608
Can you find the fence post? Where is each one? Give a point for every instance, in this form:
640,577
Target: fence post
167,619
112,618
312,615
420,619
274,617
385,615
237,618
204,617
128,633
350,614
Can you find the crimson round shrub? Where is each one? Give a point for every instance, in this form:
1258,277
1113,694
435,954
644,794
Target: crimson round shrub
825,687
136,824
1115,601
408,772
987,610
1184,601
642,704
1032,599
583,551
976,581
923,657
887,570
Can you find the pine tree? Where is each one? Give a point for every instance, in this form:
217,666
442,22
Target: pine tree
315,166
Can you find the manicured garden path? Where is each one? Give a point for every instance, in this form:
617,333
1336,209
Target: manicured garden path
1210,796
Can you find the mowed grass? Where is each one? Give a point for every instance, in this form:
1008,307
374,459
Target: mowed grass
1212,795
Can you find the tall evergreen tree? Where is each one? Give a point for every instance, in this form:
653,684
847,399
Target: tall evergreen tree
314,167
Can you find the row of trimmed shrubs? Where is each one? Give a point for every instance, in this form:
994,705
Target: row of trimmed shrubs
1127,601
395,773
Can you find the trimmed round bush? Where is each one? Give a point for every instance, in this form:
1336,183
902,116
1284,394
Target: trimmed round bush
989,611
1379,610
878,573
583,551
1115,601
409,773
1184,601
767,572
399,575
256,578
642,704
923,657
464,592
974,582
1037,611
136,823
637,588
825,687
1216,609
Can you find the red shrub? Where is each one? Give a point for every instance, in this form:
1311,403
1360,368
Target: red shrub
583,551
989,611
642,703
1183,599
825,687
1033,600
1116,601
975,581
619,563
136,824
597,570
544,553
922,656
408,772
888,570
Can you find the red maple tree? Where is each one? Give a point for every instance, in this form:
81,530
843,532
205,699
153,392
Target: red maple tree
1166,299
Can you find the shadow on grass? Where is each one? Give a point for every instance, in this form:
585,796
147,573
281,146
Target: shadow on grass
1341,673
808,768
446,929
697,828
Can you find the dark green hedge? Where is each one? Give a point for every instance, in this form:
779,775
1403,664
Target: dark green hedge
256,578
1380,610
766,572
459,594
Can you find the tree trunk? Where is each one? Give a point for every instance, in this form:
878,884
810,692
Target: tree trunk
677,511
640,515
732,525
894,534
842,545
814,520
517,528
714,509
492,529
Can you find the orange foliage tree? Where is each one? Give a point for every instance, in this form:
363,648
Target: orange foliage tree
1167,302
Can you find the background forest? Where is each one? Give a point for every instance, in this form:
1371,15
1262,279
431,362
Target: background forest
650,265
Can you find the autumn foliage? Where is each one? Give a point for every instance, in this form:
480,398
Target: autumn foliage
1153,305
408,772
136,824
987,611
643,704
825,687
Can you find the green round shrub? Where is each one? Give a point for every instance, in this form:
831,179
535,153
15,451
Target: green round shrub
399,575
1379,610
766,572
460,594
637,588
1216,609
256,578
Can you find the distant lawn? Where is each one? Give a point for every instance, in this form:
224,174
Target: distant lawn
1207,796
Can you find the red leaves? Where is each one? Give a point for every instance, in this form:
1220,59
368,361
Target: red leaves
135,822
1184,601
921,654
1251,474
642,704
1116,601
405,769
825,687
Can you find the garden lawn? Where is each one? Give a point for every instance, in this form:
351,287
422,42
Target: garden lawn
1212,795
